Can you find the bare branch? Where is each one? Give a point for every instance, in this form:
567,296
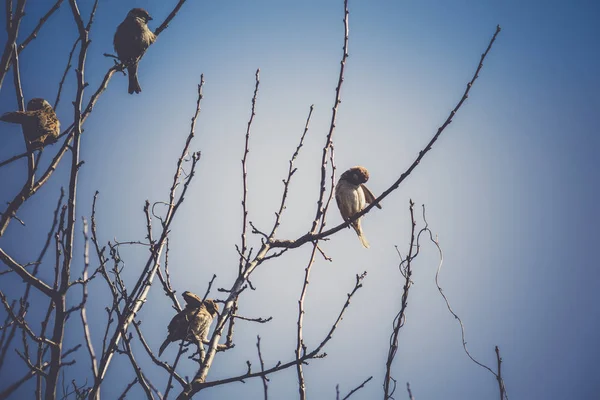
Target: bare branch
19,320
155,359
260,320
86,327
41,23
501,387
245,174
10,389
169,18
138,295
26,194
27,277
12,29
141,378
410,395
400,317
67,68
310,236
356,389
124,394
198,384
291,172
265,380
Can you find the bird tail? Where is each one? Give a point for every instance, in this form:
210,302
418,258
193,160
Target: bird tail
134,85
359,232
16,117
164,346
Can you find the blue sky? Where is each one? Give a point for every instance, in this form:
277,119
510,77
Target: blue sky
511,187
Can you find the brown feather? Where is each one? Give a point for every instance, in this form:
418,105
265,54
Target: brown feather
369,198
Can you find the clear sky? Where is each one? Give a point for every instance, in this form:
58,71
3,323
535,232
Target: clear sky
511,187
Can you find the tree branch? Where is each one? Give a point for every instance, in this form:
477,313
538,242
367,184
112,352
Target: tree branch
310,236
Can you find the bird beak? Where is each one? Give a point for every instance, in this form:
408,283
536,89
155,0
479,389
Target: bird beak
150,18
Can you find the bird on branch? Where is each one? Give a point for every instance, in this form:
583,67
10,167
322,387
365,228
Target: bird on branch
39,123
131,41
352,196
193,322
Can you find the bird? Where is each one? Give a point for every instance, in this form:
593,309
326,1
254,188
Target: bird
39,123
193,322
352,196
132,38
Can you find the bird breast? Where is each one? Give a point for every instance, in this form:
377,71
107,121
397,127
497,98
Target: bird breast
350,198
147,36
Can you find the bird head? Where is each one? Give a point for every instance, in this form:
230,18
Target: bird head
211,306
192,299
141,14
356,175
37,104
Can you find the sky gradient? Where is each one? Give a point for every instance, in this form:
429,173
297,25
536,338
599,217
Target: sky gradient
511,188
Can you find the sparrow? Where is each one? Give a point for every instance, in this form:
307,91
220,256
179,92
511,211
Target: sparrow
352,196
193,322
131,41
39,123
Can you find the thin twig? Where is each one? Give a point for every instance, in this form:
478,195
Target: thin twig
410,395
41,23
12,29
356,389
501,387
291,172
83,314
243,247
67,68
399,319
265,380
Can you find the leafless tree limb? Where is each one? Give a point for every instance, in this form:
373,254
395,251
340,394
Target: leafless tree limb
501,387
83,314
67,68
128,388
155,359
26,275
462,326
12,29
16,203
265,380
399,320
311,236
169,18
141,378
291,171
322,206
243,249
39,25
356,389
20,320
410,395
28,375
137,297
197,385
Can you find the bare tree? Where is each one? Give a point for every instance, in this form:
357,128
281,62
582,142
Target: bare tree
43,349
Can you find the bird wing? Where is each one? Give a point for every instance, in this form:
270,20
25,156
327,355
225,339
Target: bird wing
369,195
178,325
16,117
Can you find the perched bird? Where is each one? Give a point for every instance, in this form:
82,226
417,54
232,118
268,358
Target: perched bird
193,322
131,41
40,124
352,196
